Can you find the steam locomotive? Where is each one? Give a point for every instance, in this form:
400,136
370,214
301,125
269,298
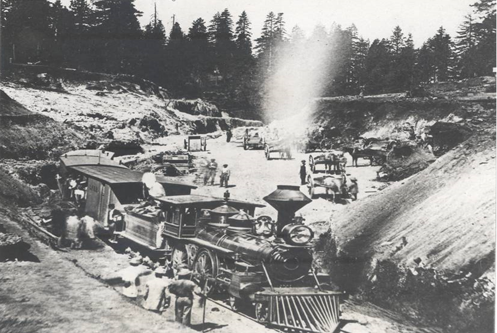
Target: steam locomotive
261,262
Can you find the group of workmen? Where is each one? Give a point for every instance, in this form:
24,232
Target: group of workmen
152,289
210,172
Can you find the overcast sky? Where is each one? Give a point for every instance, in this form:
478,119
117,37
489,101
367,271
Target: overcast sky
373,18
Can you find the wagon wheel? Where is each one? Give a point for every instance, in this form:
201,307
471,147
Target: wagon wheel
312,166
205,266
179,256
262,312
326,144
310,186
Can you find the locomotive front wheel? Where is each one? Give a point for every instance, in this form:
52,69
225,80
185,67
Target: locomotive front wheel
205,266
261,312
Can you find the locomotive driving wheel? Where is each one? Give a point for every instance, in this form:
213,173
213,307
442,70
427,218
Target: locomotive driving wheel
262,312
205,267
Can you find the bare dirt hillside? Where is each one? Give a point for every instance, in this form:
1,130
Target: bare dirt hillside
113,107
426,245
24,134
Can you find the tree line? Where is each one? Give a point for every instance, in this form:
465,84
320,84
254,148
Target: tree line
217,58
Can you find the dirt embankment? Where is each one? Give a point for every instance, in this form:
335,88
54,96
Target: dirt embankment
24,134
424,246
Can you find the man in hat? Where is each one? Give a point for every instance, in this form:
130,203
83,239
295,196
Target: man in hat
303,173
156,298
212,170
225,175
353,188
184,288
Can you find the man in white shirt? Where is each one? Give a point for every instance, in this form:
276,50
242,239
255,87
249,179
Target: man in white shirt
225,175
156,298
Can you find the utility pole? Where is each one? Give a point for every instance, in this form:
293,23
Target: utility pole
174,17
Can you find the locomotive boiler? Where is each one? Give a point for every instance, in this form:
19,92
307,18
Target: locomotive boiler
261,262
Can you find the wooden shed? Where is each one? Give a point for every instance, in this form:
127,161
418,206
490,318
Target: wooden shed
111,183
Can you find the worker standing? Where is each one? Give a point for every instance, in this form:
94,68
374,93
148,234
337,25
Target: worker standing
353,188
303,173
115,222
212,170
225,175
229,134
184,288
156,298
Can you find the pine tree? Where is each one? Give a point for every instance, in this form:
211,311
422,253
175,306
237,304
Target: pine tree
118,48
176,33
61,23
465,47
397,41
441,46
377,66
82,15
224,48
153,50
199,54
486,34
243,35
28,30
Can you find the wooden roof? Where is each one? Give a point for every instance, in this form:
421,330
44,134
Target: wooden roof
195,199
121,175
89,157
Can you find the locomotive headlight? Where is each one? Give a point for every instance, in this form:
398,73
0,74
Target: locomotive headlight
297,234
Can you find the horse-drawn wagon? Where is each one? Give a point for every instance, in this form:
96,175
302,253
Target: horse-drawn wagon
319,139
330,159
253,140
281,147
375,150
333,184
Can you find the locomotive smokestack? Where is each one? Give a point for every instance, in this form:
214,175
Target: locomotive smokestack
286,199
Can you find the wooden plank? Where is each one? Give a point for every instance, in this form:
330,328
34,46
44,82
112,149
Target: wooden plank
331,302
311,326
318,312
298,312
291,311
277,309
319,325
326,310
284,310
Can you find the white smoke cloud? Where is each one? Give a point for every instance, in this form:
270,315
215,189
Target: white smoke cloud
298,75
